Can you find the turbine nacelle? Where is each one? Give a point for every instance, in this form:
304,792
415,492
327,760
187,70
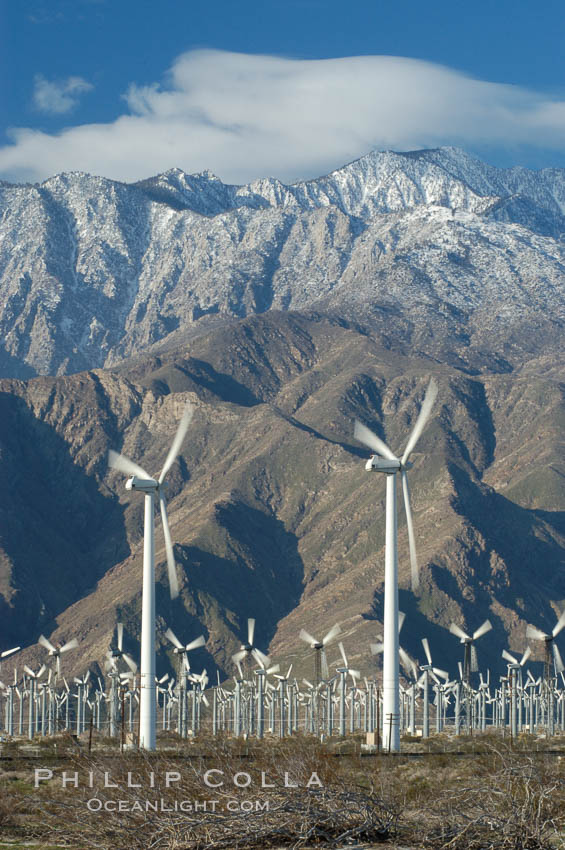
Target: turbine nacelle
146,485
382,464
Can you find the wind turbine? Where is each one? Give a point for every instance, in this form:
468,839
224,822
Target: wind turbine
319,646
247,649
151,487
470,662
550,647
390,465
56,651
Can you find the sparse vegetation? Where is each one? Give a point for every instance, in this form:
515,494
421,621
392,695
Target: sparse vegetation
482,794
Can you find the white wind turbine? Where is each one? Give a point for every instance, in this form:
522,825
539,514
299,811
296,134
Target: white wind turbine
390,465
151,488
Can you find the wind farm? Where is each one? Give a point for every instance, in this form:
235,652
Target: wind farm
407,696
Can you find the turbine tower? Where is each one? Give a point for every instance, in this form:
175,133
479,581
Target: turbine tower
151,488
390,465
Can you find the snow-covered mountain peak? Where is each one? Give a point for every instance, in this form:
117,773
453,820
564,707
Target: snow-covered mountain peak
94,270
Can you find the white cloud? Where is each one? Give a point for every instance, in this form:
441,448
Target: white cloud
58,96
245,116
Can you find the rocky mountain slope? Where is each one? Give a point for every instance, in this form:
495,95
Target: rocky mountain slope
438,253
271,511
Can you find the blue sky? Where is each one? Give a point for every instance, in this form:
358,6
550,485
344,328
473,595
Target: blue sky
290,89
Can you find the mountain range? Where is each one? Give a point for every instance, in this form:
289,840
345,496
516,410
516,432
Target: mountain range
282,313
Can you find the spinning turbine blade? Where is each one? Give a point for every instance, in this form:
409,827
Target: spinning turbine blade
124,464
177,442
333,632
171,564
307,638
423,417
194,644
366,436
343,655
506,655
559,625
173,638
120,636
237,657
46,643
9,652
482,630
534,633
261,658
443,673
71,644
411,535
426,646
557,660
250,630
525,656
458,631
130,662
401,618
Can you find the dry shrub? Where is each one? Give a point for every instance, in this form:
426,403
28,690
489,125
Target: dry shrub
502,800
289,814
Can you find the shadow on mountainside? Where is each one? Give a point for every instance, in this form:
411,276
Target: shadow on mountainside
249,567
59,533
522,558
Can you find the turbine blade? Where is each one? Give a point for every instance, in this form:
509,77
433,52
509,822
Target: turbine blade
261,658
194,644
443,673
124,464
401,618
120,636
333,632
237,657
458,631
171,565
377,648
9,652
343,655
250,630
559,625
506,655
426,646
411,536
365,435
71,644
307,638
536,634
29,671
41,671
130,662
423,417
406,661
557,660
274,669
177,442
173,638
525,656
46,643
482,630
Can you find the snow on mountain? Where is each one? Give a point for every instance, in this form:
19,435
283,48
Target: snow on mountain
92,270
